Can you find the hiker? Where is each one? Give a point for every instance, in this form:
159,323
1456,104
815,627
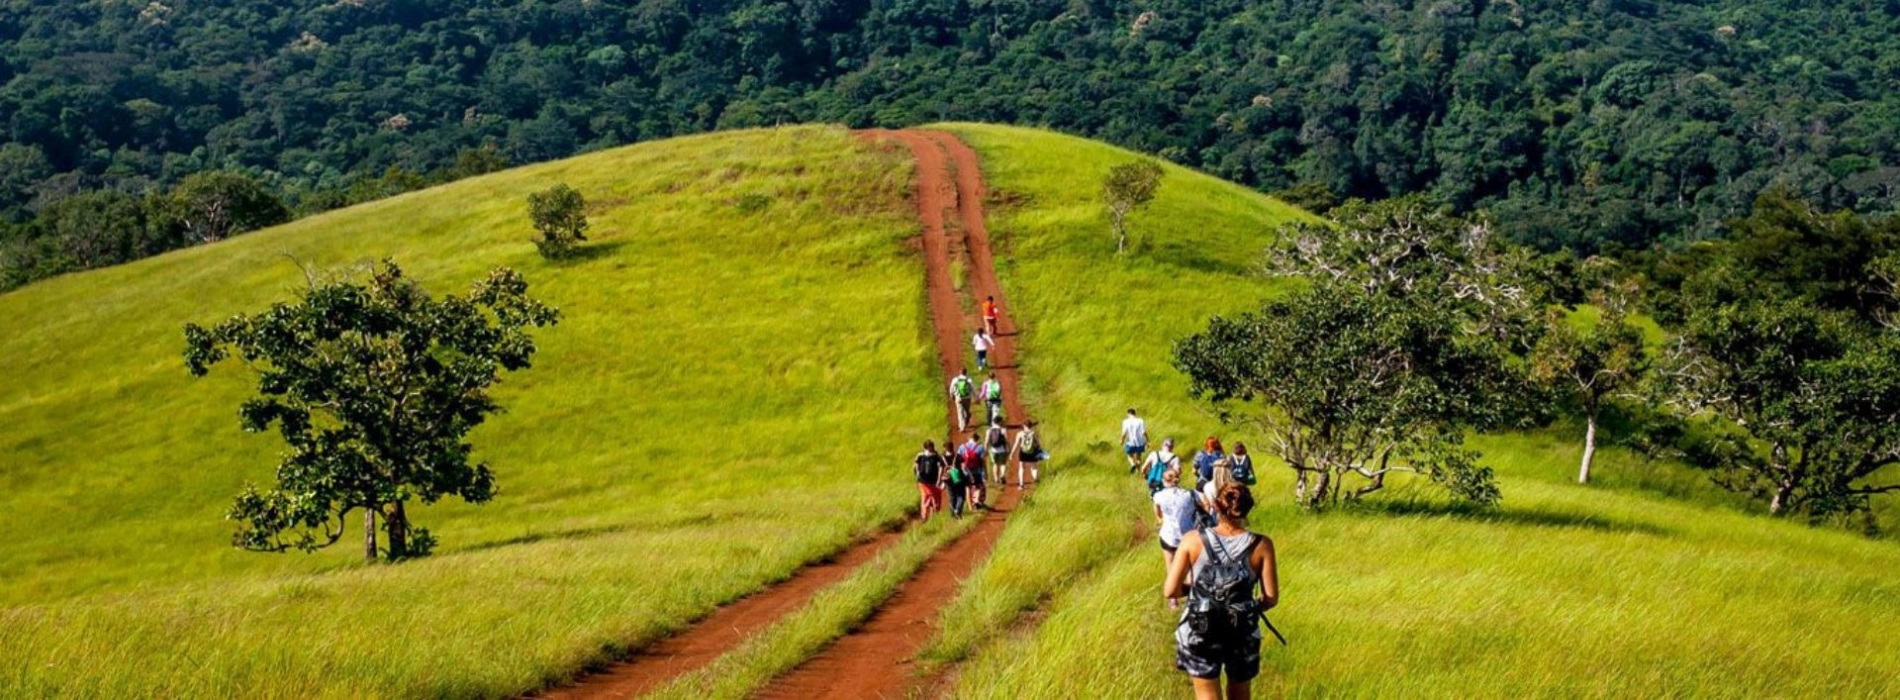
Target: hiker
991,316
1242,465
998,440
1029,455
1204,461
1220,631
1205,496
1175,512
956,481
1134,438
1158,463
992,394
961,391
984,343
971,458
929,470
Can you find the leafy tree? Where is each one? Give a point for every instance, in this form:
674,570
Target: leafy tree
99,228
374,388
1351,384
1591,361
560,216
212,206
1129,186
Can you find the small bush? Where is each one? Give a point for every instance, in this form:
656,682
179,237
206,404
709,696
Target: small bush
560,216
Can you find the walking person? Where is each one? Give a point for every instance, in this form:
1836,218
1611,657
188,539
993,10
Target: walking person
1220,631
1204,461
992,317
984,343
1158,463
1223,475
970,456
1241,464
956,481
1029,455
961,391
1175,512
929,469
1134,438
997,438
992,394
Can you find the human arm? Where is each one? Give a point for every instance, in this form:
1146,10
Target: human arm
1175,586
1267,567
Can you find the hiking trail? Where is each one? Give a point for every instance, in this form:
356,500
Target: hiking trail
874,660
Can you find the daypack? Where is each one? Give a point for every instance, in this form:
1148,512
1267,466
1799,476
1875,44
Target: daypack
993,391
1160,466
961,385
999,440
970,456
1242,469
1222,609
1032,445
957,475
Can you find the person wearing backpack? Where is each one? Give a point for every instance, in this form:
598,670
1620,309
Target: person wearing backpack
1204,462
1210,491
993,398
1220,628
956,482
1029,455
928,466
961,391
998,440
1242,465
970,457
1175,512
1159,463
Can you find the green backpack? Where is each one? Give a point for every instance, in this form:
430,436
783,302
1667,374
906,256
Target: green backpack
962,386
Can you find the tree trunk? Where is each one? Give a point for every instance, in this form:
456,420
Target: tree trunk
1783,491
1121,234
1589,447
369,534
398,523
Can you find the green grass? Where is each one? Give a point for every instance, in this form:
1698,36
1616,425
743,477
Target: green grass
677,444
1649,583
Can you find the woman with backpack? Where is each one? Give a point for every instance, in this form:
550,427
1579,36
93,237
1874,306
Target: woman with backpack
1210,490
998,440
1220,630
1175,510
1242,465
1204,461
1029,455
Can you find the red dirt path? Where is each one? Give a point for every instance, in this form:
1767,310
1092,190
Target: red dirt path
874,661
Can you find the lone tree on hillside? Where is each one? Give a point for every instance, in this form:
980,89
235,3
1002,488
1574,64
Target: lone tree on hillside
1591,361
374,387
1352,384
1128,187
212,206
560,216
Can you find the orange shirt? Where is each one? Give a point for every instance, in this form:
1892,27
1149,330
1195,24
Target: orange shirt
989,309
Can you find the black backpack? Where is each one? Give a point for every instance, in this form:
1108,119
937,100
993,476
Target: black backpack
1222,609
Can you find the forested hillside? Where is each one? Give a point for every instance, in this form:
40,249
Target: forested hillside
1577,124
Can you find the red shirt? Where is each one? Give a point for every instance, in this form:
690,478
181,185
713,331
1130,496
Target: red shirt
989,309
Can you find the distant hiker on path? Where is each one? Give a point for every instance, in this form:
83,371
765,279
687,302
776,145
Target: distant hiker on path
1134,438
984,343
929,470
998,440
993,399
1159,463
956,480
961,391
1175,511
1221,629
1029,455
970,456
1242,465
991,316
1204,461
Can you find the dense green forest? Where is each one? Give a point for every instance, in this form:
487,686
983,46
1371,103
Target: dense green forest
1619,123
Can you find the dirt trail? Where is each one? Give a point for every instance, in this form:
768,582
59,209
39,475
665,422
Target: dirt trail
719,632
874,661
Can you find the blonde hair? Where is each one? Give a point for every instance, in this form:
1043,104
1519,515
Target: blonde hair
1171,477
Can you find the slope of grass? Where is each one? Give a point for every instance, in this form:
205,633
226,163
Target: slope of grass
676,445
1611,590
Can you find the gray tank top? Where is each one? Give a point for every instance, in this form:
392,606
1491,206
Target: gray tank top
1235,547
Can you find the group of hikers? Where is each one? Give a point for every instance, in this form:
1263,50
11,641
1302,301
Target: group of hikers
960,475
1212,560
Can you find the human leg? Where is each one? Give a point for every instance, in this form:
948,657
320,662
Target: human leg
1206,688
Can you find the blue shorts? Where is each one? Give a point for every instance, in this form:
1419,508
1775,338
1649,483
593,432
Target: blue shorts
1134,450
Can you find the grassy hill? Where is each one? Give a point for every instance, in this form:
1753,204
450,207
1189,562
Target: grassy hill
695,427
713,412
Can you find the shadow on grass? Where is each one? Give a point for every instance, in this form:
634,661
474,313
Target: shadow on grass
1505,516
591,252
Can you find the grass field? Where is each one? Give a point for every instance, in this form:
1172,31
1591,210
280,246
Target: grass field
1611,590
679,442
699,425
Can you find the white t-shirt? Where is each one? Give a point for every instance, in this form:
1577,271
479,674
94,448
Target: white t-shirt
1177,513
982,342
1134,431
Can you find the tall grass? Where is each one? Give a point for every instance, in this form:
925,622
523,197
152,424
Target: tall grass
709,416
1649,583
